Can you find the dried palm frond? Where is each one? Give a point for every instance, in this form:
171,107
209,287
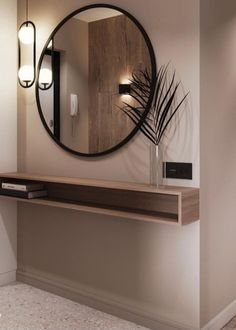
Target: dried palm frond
164,104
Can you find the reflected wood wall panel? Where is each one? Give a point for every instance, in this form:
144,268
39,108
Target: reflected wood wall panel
116,49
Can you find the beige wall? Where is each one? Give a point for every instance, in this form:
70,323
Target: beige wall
152,269
218,156
8,133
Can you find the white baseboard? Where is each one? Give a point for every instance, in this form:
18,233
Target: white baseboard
107,303
7,278
221,319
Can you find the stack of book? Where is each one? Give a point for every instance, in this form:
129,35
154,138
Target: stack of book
23,190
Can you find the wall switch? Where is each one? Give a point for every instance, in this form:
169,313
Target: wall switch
173,170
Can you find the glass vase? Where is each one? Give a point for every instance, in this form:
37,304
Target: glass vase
156,175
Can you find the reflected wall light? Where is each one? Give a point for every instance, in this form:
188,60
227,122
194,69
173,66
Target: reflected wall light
45,80
27,50
124,89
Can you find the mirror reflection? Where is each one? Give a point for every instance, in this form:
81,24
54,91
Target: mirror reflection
90,63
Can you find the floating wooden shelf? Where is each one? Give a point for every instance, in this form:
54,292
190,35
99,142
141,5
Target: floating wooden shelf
172,205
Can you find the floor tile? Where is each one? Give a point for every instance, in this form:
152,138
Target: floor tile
23,307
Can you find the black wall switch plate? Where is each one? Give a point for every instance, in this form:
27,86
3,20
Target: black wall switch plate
178,170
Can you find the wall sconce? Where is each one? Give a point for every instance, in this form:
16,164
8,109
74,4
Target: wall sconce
124,89
27,38
45,81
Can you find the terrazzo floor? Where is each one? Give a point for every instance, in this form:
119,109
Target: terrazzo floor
23,307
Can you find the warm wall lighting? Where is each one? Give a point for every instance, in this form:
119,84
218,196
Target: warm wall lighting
26,74
45,78
26,34
124,89
27,44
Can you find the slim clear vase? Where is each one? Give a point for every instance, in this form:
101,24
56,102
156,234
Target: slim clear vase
156,175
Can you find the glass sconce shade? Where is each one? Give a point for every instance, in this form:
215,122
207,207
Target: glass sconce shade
26,73
45,77
27,36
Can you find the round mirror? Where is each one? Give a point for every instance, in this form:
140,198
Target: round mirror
85,78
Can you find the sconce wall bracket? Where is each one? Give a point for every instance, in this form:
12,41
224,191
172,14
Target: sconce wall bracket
124,88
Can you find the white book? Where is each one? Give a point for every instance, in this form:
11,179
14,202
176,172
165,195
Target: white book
22,187
35,194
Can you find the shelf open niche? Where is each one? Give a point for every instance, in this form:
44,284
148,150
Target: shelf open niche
170,205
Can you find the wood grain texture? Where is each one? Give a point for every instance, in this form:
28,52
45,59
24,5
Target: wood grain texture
97,210
116,49
189,207
173,190
177,205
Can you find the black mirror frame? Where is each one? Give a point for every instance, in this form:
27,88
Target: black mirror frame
153,74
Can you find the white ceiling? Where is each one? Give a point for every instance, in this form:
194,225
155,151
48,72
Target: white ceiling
96,14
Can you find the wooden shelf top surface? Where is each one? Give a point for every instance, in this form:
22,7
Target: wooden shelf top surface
171,190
